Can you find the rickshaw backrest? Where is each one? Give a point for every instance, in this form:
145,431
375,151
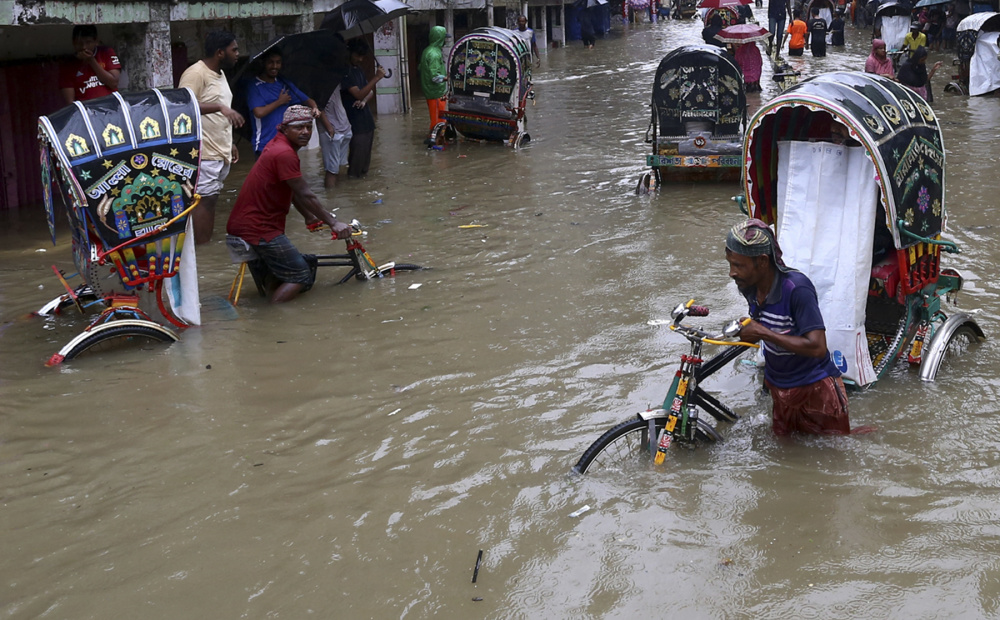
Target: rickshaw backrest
126,166
699,83
488,71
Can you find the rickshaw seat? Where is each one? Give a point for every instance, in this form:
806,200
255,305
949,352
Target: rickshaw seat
885,278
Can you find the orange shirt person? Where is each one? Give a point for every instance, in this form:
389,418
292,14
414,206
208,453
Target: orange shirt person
800,33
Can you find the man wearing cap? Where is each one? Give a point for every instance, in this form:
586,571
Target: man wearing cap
258,218
914,38
807,392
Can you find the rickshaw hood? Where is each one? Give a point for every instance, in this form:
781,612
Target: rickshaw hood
896,127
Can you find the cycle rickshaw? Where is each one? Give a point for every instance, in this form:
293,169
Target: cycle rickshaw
124,168
489,85
699,108
976,49
849,169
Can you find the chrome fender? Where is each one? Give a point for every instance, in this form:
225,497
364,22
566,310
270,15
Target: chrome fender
934,353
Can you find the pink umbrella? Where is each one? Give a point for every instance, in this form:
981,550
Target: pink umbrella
720,4
742,33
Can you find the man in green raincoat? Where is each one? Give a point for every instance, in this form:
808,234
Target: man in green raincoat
432,74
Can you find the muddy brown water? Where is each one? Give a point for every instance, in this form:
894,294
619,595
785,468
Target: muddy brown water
347,455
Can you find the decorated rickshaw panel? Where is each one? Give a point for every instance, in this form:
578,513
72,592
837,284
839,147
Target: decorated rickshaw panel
128,163
698,83
483,63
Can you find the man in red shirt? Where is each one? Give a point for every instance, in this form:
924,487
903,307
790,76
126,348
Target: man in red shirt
274,184
94,71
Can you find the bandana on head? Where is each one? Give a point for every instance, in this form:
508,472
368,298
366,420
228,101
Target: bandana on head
752,237
297,115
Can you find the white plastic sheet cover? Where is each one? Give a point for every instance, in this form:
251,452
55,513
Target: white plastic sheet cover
894,29
984,69
182,289
826,222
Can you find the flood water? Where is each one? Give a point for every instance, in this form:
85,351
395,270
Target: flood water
348,454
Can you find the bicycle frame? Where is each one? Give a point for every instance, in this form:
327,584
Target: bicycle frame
685,396
679,412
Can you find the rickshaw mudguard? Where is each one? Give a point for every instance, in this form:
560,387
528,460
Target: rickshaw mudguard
935,350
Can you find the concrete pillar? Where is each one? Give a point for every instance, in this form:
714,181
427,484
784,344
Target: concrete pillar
144,50
542,34
489,13
389,92
562,7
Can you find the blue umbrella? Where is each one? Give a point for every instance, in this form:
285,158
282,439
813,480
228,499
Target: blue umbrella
930,3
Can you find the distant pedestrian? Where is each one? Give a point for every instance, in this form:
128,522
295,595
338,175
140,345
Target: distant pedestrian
879,62
915,37
94,70
913,73
357,91
799,34
432,75
713,28
207,79
837,29
750,62
777,10
817,34
528,36
334,137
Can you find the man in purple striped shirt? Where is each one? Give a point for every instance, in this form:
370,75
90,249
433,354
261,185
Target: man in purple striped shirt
807,392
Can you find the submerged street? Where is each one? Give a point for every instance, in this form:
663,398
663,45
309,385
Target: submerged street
348,454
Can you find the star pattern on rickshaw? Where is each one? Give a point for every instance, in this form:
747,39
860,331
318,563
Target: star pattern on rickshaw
115,191
154,173
172,177
107,164
173,152
85,175
194,153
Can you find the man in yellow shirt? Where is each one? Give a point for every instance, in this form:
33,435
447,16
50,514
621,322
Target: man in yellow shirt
799,32
208,82
914,38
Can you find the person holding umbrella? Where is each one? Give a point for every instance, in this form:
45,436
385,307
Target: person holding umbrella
744,38
268,98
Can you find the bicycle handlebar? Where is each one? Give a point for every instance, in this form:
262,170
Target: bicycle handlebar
685,310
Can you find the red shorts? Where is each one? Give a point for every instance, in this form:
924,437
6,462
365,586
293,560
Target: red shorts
817,409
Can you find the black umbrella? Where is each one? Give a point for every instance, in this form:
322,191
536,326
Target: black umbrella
355,18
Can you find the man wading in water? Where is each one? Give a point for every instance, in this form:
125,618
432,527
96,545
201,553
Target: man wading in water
806,389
